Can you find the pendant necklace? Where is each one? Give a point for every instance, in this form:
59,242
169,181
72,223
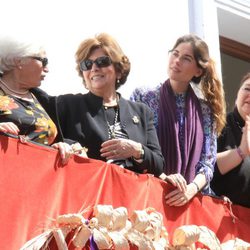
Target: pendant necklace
13,91
110,127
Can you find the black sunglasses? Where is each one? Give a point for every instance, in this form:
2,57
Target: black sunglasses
100,62
44,60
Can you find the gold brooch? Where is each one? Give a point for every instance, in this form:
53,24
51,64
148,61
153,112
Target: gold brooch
135,119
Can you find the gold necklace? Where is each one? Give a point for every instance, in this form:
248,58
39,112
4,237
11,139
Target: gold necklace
11,90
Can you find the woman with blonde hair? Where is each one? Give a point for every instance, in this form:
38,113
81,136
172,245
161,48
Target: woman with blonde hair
112,128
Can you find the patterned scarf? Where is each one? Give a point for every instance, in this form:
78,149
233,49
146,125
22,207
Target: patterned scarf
168,132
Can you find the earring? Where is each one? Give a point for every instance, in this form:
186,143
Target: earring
118,81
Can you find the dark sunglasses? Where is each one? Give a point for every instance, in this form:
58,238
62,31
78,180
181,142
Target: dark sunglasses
44,60
100,62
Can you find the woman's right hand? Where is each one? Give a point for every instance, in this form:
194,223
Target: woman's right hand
65,151
178,181
245,140
9,127
179,198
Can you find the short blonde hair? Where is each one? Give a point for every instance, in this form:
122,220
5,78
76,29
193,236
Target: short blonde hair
111,49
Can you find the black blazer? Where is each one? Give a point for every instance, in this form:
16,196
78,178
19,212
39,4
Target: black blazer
49,106
81,118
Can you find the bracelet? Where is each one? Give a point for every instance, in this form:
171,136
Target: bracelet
240,153
198,189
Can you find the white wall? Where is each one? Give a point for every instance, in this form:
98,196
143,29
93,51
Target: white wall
146,30
204,22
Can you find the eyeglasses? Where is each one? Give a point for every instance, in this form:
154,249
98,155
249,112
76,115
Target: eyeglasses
44,60
100,62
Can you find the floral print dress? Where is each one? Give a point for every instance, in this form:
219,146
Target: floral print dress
30,117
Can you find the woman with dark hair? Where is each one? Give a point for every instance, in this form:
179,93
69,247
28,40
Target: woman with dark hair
187,122
232,171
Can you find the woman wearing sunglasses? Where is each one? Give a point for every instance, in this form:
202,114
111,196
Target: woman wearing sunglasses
111,128
187,122
22,113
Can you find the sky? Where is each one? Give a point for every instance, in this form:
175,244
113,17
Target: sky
145,31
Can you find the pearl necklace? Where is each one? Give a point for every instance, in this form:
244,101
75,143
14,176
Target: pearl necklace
11,90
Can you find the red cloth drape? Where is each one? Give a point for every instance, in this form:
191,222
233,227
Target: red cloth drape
34,189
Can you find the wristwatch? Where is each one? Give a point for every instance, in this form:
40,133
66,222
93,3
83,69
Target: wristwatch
141,154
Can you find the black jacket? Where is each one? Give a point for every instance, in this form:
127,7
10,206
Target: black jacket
81,118
49,104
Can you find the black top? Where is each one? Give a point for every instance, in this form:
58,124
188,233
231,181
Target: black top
82,119
49,104
235,184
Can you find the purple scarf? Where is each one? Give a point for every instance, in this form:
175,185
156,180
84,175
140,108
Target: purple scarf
168,131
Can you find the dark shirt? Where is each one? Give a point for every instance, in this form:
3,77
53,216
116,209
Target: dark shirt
236,183
81,118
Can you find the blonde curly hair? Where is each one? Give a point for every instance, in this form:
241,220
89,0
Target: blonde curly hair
111,48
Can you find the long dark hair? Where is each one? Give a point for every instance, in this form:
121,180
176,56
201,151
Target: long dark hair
211,86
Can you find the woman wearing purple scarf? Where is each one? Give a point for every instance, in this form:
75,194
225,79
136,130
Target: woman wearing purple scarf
188,118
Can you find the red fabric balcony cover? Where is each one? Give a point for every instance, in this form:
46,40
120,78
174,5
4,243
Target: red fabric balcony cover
34,189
